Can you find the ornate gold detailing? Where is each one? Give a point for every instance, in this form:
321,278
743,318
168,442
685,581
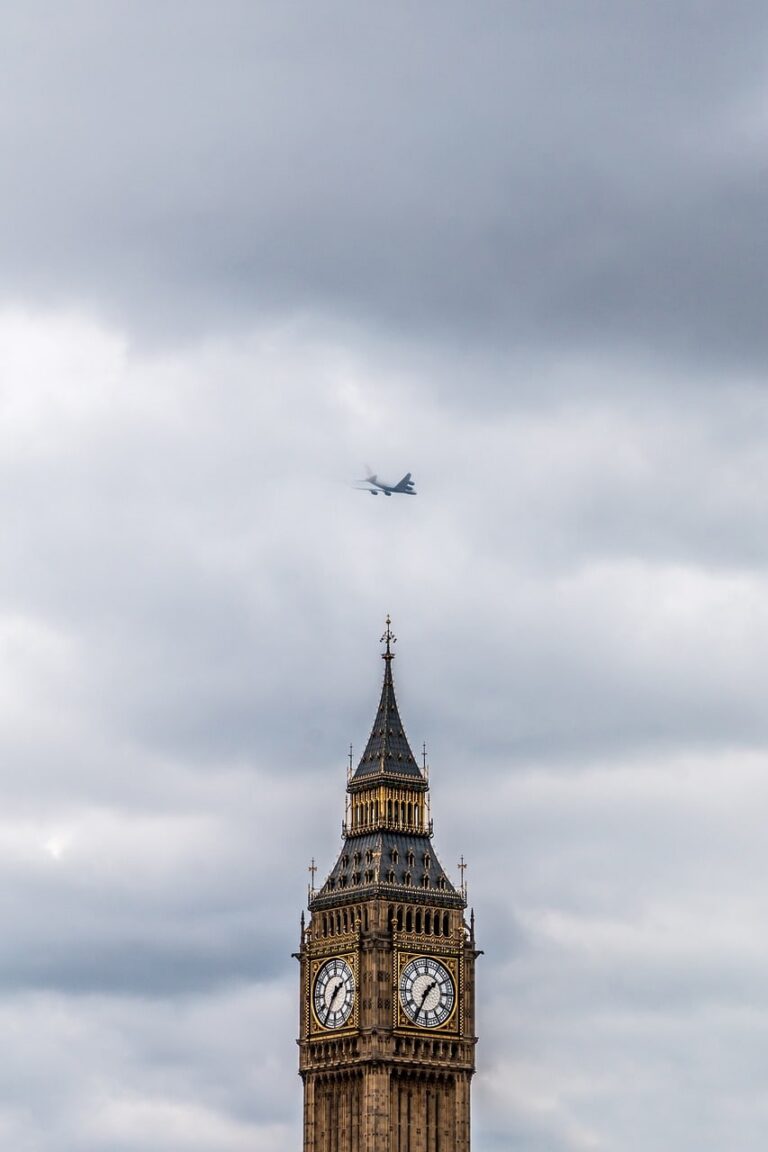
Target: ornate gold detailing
345,951
333,945
383,806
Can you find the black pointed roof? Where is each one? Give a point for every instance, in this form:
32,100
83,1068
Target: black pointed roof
388,751
395,865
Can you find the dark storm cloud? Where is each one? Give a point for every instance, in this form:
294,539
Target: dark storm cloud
142,966
525,177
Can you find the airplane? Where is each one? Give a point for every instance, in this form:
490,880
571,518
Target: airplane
403,487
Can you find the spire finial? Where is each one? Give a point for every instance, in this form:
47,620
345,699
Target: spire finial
389,639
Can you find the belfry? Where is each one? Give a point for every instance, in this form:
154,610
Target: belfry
387,1016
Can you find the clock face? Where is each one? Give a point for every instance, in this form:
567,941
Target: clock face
334,993
426,992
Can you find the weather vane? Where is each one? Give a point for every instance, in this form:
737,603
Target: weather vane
389,638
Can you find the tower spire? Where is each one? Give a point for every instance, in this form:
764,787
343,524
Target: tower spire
388,751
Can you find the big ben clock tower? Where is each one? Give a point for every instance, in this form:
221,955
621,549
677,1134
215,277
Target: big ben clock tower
387,1013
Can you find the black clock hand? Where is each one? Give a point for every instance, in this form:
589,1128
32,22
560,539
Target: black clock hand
427,991
334,994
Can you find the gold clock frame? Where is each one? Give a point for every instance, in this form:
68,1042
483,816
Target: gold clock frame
401,1020
315,1028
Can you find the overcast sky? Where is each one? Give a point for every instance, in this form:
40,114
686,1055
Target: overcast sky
520,250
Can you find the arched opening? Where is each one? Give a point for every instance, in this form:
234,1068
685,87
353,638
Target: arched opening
389,810
446,928
416,815
428,922
390,917
418,919
365,918
410,812
402,811
409,920
399,919
436,924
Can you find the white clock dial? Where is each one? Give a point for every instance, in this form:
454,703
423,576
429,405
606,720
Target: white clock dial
334,993
426,992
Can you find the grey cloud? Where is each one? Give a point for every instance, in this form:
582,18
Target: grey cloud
141,936
118,1074
143,967
521,177
517,250
559,563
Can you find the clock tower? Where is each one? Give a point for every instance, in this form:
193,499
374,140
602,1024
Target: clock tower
387,960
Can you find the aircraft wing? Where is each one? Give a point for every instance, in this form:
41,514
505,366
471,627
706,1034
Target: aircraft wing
405,485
